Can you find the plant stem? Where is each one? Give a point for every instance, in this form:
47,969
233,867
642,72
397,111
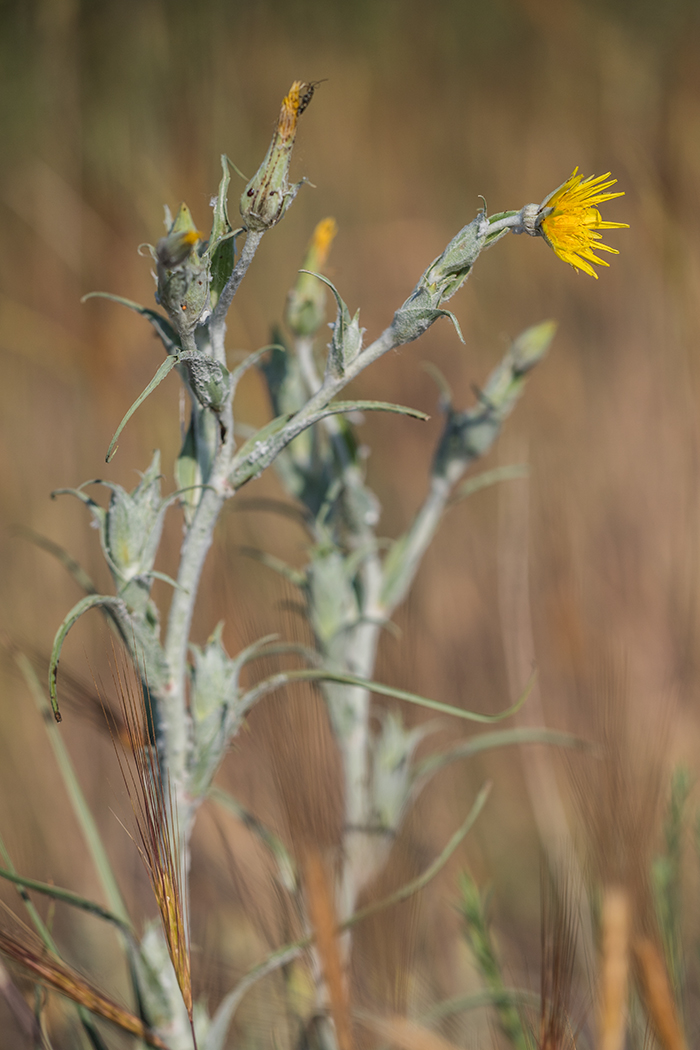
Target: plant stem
217,323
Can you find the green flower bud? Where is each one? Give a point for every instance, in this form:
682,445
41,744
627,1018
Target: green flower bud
133,525
268,194
215,708
470,434
439,283
183,276
306,305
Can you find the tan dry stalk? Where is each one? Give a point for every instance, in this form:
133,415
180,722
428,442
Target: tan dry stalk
614,968
321,909
559,929
156,820
52,972
657,996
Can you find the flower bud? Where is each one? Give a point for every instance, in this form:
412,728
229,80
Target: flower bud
441,280
133,525
268,194
183,276
215,708
306,305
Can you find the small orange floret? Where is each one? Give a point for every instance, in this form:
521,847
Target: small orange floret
289,114
293,105
323,238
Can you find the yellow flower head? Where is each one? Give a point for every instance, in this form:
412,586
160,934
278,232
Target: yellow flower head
569,220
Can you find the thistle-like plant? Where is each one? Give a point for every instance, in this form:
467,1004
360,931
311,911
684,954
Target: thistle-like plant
191,698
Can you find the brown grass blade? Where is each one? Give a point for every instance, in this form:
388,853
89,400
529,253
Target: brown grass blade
53,973
156,820
321,909
559,929
656,992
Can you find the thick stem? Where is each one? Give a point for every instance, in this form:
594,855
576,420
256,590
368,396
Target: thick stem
194,551
217,323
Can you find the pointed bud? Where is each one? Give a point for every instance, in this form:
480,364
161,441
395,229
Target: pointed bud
183,277
306,305
268,194
441,280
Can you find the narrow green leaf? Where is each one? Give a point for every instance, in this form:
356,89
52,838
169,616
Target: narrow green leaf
422,880
486,997
338,407
490,477
162,326
75,793
280,853
158,378
276,564
261,449
220,223
67,897
252,359
283,678
498,738
90,602
70,564
154,575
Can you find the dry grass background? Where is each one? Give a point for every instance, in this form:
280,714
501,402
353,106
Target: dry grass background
110,109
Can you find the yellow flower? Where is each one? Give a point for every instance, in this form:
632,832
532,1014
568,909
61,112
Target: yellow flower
569,220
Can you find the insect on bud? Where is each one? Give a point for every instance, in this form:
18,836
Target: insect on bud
268,194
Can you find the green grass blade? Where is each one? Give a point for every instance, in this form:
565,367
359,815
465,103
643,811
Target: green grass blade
487,997
75,793
67,896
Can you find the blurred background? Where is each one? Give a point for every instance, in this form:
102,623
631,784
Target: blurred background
108,111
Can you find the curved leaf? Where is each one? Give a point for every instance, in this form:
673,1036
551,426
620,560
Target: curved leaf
162,326
276,564
499,738
90,602
69,564
158,378
262,448
487,478
280,853
252,359
279,681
